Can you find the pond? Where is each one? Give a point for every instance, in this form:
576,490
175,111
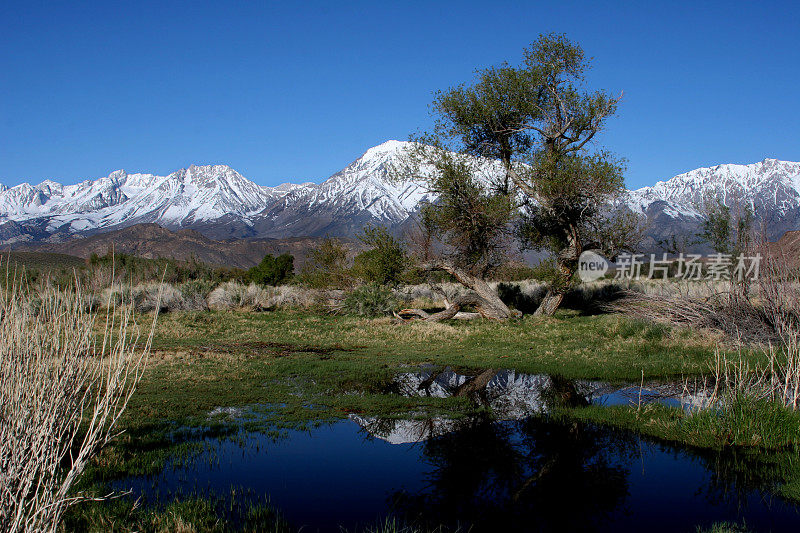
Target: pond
509,468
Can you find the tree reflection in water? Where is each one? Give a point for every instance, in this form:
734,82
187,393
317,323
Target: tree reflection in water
530,474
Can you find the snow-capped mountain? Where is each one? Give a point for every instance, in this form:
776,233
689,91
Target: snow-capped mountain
194,197
364,191
221,203
770,188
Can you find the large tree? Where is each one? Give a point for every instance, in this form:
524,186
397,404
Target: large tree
471,223
539,122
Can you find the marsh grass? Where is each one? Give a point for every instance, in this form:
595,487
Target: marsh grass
724,527
240,511
62,393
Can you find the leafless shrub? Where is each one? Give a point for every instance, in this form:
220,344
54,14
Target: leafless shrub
738,320
61,396
778,289
763,311
779,294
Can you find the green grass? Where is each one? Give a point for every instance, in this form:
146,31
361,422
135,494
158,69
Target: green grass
294,369
185,515
745,424
602,346
203,360
724,527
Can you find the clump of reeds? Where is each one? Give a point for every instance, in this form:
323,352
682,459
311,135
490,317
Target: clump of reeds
62,392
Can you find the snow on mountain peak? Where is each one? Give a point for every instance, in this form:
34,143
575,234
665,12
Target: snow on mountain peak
386,147
218,200
769,186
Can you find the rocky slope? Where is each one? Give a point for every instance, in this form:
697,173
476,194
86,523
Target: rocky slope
152,241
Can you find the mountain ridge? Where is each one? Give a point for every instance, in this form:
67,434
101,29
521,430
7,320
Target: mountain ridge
220,203
152,241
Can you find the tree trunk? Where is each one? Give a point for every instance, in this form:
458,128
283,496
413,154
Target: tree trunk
550,303
483,298
491,305
567,263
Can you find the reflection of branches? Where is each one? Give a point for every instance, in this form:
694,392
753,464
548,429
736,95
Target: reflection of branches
476,385
501,474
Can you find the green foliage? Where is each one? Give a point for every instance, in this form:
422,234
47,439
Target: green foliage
716,229
273,270
725,527
385,261
326,266
469,218
565,210
546,271
747,421
537,119
192,514
134,270
370,300
726,231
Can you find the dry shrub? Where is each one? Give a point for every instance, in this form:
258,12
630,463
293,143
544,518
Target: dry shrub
732,316
285,296
762,311
195,294
61,396
371,300
157,297
231,295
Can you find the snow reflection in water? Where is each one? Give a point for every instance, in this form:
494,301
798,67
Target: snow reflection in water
498,470
514,396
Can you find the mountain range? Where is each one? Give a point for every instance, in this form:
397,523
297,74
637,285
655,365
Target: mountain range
219,203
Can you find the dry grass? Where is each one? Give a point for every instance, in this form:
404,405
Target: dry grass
61,396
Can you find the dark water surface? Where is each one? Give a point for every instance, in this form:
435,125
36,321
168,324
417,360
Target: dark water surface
504,472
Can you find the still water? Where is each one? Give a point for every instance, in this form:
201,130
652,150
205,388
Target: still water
512,470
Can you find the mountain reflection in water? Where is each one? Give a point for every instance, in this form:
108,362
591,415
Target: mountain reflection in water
498,470
514,396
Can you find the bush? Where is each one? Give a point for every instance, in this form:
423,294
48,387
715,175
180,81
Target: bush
515,271
272,270
546,271
157,297
195,293
371,300
385,261
327,266
231,295
294,296
62,393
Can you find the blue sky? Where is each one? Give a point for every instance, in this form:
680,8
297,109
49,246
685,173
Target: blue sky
294,91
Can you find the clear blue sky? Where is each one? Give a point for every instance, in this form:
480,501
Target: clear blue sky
296,90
